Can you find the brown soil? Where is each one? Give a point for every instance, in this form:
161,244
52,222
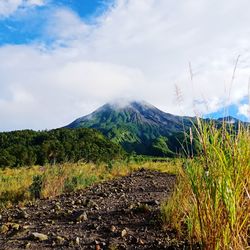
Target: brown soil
118,214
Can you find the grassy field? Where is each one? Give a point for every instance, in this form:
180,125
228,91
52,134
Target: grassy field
211,203
19,185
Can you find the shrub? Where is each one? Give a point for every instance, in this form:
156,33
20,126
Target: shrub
36,186
109,167
70,184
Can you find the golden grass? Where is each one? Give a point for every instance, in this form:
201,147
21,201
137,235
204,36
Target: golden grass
15,184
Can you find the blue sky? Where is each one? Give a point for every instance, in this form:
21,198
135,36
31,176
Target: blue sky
230,110
61,59
26,25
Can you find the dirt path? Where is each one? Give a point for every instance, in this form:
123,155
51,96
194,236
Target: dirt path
118,214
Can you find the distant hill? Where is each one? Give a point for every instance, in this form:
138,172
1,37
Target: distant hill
228,119
138,127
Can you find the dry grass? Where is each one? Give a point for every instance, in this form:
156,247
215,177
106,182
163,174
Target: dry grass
23,184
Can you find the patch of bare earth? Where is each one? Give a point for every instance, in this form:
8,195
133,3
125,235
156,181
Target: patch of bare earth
120,214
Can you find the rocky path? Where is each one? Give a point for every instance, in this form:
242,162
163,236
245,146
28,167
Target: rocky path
118,214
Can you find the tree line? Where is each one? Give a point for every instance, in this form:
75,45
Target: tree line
28,147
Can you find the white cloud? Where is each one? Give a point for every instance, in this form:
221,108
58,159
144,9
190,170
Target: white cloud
35,2
138,49
8,7
65,26
244,110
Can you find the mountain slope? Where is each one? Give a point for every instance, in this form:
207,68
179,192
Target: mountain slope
137,126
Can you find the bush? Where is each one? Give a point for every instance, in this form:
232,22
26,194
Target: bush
109,167
36,186
70,184
13,197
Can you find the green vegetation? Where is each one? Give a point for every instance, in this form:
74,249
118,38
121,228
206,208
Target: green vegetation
27,147
212,198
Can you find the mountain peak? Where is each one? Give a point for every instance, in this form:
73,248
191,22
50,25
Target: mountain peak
135,124
125,104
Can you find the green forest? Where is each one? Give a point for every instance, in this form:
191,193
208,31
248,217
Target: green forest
28,147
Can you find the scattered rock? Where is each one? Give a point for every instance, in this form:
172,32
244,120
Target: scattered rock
93,204
39,236
156,202
152,203
4,229
77,241
124,233
96,242
9,219
96,226
15,226
60,240
28,245
141,242
57,206
79,202
82,217
22,215
113,229
52,222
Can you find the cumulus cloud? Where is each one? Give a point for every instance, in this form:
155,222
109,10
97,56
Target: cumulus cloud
244,110
65,26
35,2
8,7
137,50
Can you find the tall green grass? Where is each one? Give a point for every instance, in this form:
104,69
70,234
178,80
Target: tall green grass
211,203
